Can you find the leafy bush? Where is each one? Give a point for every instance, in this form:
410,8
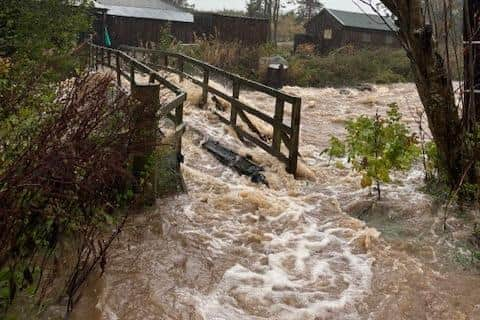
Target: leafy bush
64,150
62,178
377,146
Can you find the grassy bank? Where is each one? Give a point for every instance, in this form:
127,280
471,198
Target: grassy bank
344,67
349,67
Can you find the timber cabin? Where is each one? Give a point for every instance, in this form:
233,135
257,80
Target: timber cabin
139,22
332,29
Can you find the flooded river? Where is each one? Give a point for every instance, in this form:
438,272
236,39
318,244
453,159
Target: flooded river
230,249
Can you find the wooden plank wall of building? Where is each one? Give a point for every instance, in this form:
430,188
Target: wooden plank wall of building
137,31
250,31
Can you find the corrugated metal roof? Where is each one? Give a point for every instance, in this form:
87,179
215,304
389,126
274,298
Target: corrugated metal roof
362,20
146,9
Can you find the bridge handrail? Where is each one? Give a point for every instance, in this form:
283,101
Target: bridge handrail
288,134
99,55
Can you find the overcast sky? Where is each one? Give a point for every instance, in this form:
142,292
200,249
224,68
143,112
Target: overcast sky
240,4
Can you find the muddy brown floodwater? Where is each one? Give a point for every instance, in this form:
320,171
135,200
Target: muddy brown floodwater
231,249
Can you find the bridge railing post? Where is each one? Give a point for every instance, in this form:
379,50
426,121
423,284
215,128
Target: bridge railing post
277,125
96,58
295,138
118,68
206,78
90,56
144,136
132,75
165,60
181,67
233,108
179,131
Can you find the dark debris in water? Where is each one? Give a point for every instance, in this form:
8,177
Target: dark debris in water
243,165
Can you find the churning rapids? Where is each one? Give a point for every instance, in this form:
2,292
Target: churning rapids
231,249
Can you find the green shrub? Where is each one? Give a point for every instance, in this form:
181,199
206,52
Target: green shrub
377,146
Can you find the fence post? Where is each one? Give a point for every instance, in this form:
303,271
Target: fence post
179,132
165,60
206,76
144,137
233,108
96,58
102,51
132,75
277,125
295,138
151,78
90,56
118,69
109,58
181,67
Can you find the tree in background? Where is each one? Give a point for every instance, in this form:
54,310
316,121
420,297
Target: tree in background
268,9
181,3
307,9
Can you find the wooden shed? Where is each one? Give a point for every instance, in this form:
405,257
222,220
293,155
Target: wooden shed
331,29
138,22
228,28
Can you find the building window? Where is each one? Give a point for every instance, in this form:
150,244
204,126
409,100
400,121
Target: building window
366,37
327,34
388,39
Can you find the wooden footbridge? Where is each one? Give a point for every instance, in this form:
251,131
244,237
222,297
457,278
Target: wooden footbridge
129,61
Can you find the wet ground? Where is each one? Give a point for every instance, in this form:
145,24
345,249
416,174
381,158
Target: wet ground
317,248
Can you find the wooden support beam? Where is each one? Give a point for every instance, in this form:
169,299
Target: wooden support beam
234,104
181,67
118,69
277,125
206,78
295,138
132,75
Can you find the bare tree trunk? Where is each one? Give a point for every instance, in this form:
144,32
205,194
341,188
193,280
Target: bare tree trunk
276,15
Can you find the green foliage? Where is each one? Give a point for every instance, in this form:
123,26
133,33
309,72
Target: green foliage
377,146
337,148
346,67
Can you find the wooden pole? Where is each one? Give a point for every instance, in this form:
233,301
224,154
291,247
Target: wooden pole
132,75
233,109
179,133
206,77
118,68
181,67
96,58
144,138
165,59
277,125
90,57
295,138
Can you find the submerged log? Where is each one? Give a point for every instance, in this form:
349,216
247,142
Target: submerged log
242,165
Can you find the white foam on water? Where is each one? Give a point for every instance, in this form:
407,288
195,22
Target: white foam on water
304,274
